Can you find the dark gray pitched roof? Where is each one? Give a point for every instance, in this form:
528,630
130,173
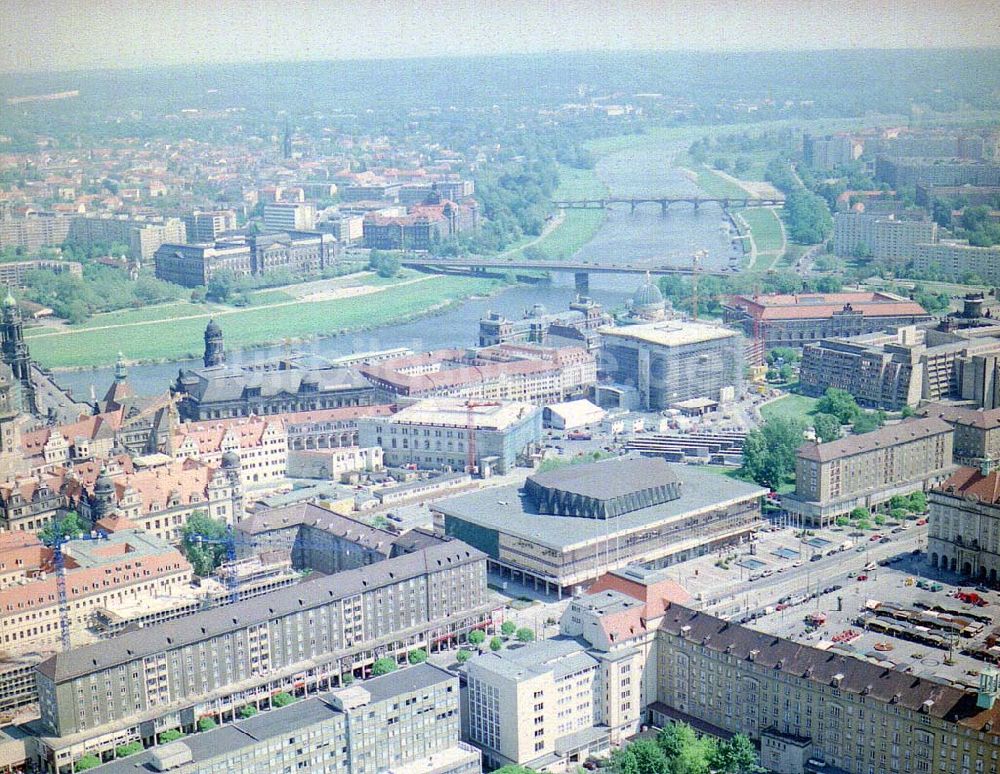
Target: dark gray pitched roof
890,435
201,626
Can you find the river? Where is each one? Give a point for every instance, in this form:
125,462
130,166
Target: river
643,236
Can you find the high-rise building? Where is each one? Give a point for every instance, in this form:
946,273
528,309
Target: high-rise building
290,216
207,226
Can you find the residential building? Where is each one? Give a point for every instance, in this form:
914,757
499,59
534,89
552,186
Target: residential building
35,231
403,723
830,151
449,434
862,471
977,433
207,226
455,190
15,273
143,237
566,527
260,442
794,320
111,572
893,369
671,361
902,171
958,261
815,710
290,216
970,195
300,639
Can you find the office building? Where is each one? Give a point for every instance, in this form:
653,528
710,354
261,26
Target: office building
672,361
449,433
863,471
302,253
206,226
290,216
892,370
794,320
110,573
378,726
301,639
569,526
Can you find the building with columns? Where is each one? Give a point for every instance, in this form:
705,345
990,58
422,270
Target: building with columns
964,524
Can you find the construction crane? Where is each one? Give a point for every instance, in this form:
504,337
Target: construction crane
229,541
695,269
56,542
470,430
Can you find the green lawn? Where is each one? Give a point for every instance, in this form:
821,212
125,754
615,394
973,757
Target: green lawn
579,184
167,311
255,326
765,227
791,407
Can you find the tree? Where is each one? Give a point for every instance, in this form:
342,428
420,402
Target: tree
88,761
477,637
205,557
898,514
347,678
417,656
843,521
125,750
640,757
868,421
840,403
879,519
172,735
686,752
463,655
507,628
70,526
496,644
827,427
524,634
383,666
769,452
736,756
282,699
907,412
512,769
206,724
247,712
918,502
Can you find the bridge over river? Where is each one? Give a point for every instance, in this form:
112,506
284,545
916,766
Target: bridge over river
666,201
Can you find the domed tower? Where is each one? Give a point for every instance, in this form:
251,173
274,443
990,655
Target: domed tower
230,465
215,352
15,351
647,304
102,503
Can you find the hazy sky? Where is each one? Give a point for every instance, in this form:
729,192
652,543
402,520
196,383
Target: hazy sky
45,35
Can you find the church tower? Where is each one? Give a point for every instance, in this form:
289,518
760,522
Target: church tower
15,352
215,352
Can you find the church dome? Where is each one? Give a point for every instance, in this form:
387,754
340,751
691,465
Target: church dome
9,301
647,295
213,329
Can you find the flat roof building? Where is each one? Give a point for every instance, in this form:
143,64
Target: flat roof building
670,361
571,525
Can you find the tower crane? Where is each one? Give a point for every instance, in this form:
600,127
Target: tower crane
229,541
56,542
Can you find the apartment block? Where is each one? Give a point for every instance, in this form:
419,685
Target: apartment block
833,478
300,639
958,261
402,722
977,433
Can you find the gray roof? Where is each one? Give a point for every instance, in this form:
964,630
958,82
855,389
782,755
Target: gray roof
202,626
310,515
888,436
227,383
609,478
507,509
560,656
802,661
278,722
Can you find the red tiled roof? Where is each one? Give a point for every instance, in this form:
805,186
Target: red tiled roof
971,482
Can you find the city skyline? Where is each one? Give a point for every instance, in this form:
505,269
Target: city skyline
53,36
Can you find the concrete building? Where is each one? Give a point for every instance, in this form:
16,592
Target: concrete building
301,639
794,320
569,526
143,237
831,479
830,151
436,434
971,195
378,726
109,573
672,361
542,704
896,369
206,226
35,231
15,273
958,261
290,216
964,524
903,171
